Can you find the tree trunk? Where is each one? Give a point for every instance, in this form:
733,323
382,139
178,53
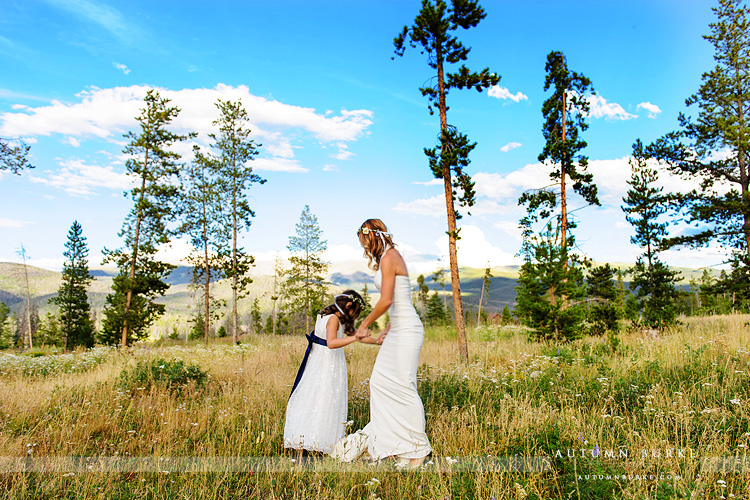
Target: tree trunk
207,271
741,160
307,289
134,257
481,298
452,251
234,262
28,300
564,205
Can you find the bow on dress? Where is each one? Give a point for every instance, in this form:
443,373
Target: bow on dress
311,338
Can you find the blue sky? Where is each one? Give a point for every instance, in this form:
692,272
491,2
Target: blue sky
342,125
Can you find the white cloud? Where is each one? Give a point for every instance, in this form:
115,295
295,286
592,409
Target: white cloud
279,146
343,154
509,146
121,67
611,177
695,257
79,179
277,165
600,108
510,228
475,251
427,206
330,168
175,252
72,141
503,93
433,182
510,186
12,223
108,113
342,253
652,109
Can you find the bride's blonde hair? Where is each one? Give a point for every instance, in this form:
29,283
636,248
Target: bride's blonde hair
375,239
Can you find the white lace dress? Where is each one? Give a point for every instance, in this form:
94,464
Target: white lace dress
317,409
397,422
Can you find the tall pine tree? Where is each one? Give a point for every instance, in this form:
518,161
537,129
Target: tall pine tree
76,324
564,114
199,204
232,152
130,308
433,32
720,206
652,279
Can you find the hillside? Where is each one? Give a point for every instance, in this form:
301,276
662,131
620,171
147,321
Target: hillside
181,301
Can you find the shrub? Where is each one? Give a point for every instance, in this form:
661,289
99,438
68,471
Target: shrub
172,375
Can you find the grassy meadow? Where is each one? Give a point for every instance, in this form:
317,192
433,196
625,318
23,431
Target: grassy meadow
631,417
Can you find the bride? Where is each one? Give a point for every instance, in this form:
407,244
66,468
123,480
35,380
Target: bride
397,422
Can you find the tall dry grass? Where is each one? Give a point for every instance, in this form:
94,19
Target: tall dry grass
667,403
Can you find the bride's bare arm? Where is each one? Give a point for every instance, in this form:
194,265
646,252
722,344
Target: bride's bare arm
388,274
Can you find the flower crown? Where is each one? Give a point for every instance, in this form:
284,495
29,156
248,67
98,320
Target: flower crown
367,230
353,298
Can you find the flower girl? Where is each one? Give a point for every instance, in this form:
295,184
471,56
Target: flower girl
317,408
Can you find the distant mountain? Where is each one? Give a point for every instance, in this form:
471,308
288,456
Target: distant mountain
354,280
181,300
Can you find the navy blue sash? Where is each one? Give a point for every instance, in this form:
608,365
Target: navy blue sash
310,339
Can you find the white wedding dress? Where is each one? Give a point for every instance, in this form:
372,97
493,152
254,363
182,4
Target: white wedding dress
397,422
316,411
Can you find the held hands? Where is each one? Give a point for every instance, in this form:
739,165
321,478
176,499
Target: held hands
384,334
362,333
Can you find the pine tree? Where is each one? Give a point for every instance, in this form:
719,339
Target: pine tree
76,324
199,205
256,318
549,278
305,286
27,333
130,308
422,292
486,283
14,155
197,331
268,329
506,317
564,112
49,333
433,32
232,152
602,294
438,276
6,331
435,314
652,280
720,207
367,309
278,272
